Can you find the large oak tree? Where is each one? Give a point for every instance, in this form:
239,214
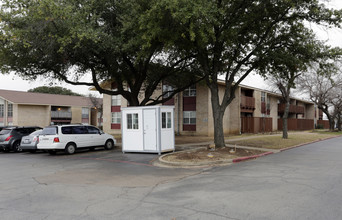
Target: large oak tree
232,38
68,39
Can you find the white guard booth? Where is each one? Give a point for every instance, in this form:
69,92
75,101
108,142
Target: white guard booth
148,129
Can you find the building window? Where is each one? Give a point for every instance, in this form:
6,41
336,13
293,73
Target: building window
189,117
166,119
116,117
263,97
191,91
2,110
85,112
132,121
167,91
10,110
116,100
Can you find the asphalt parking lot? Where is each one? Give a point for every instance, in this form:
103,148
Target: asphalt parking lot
96,167
43,186
301,183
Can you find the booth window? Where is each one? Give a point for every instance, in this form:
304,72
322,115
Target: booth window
116,117
189,117
132,121
166,119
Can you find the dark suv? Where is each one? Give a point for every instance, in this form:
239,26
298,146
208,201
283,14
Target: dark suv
10,137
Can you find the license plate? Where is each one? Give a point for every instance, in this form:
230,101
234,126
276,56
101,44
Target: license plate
26,141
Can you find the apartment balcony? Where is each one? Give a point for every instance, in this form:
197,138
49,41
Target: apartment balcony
60,114
247,104
294,109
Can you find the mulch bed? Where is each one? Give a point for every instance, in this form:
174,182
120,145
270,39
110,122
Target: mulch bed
204,154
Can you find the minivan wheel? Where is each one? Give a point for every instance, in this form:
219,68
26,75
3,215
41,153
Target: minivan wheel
109,145
16,146
70,149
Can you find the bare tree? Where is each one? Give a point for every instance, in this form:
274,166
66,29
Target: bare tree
321,84
98,105
336,102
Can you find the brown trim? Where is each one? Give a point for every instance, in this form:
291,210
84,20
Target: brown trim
263,107
115,126
189,127
189,103
61,120
85,120
116,108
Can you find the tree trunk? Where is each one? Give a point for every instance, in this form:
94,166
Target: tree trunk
218,128
218,112
339,122
285,117
331,123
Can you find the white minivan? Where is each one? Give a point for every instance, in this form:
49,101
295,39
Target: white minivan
68,138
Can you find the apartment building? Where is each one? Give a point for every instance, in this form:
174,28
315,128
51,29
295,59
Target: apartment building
26,108
252,111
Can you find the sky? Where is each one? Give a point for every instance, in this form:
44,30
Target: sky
13,82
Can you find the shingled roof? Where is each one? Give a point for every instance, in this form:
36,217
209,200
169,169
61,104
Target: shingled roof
30,98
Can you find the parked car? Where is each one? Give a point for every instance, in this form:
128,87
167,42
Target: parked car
10,137
68,138
30,141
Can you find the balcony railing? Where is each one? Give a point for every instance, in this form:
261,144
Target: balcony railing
247,103
60,114
294,109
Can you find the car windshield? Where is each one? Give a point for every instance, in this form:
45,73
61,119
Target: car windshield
5,131
49,131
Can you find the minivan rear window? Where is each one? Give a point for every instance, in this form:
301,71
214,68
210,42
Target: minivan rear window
50,131
5,131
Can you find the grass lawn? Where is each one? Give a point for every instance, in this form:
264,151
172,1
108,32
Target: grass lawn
321,131
276,142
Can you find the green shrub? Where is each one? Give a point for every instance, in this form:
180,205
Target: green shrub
319,126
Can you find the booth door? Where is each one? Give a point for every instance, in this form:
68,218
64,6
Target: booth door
150,130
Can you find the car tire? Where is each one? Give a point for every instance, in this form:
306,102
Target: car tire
16,146
70,148
52,152
109,145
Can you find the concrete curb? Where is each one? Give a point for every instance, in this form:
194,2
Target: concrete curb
228,161
209,163
189,164
237,160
